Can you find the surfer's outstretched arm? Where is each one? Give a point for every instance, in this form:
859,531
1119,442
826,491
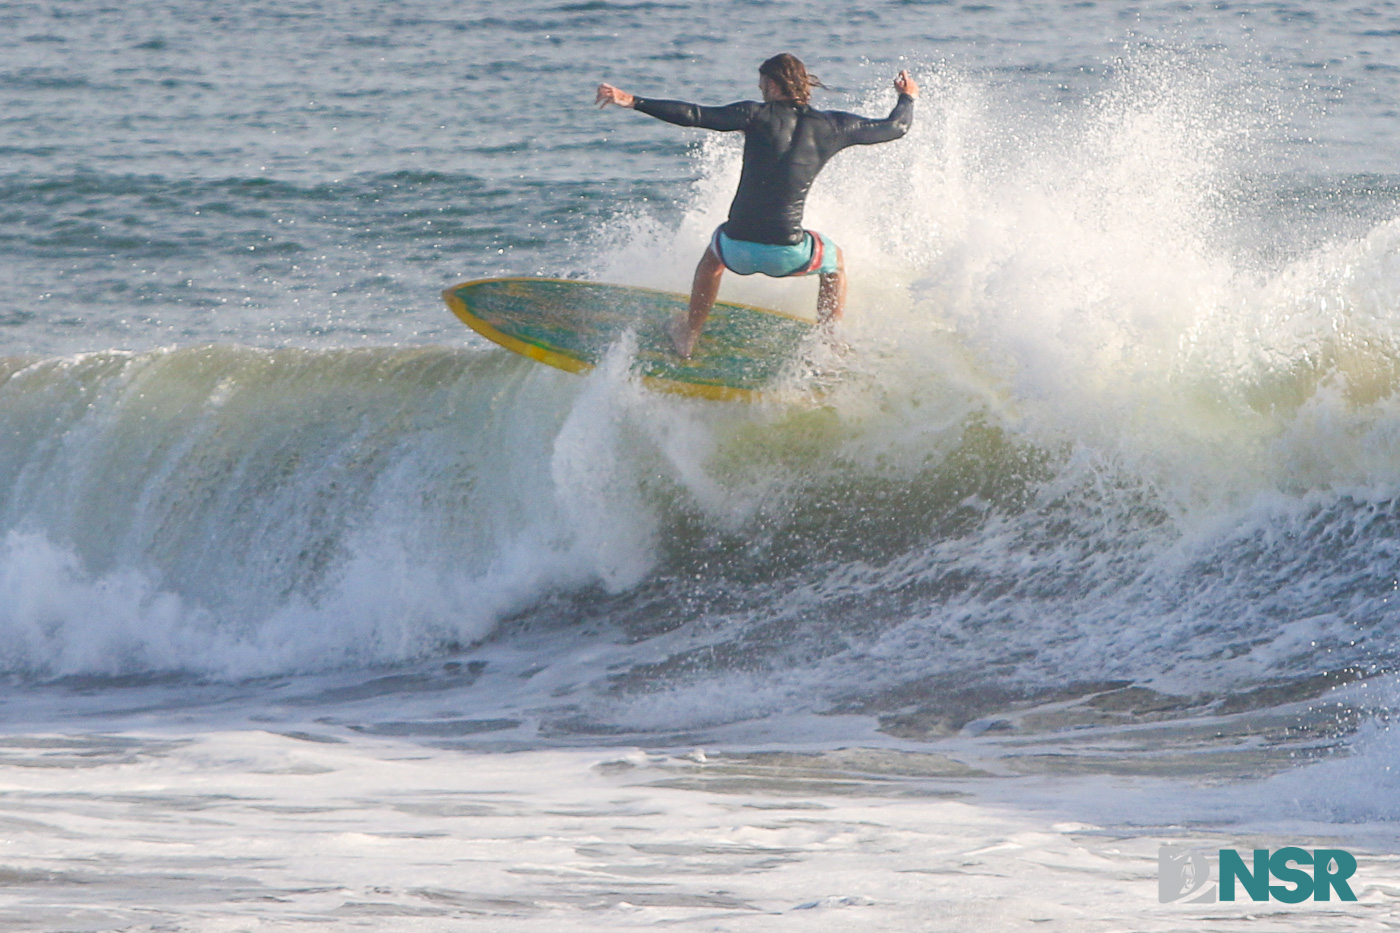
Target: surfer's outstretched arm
856,130
731,117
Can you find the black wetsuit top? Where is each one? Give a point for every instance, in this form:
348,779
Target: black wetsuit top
785,146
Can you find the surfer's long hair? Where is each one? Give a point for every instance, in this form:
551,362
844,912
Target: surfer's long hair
788,72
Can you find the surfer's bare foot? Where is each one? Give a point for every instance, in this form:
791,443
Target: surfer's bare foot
681,337
827,332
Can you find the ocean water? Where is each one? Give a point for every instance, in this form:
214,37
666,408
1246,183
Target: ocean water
317,610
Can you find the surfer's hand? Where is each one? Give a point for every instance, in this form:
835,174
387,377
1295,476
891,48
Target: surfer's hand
607,94
903,84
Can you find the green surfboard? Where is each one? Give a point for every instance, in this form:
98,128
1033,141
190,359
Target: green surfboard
570,324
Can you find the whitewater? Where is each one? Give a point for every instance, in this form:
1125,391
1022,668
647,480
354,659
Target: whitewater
316,609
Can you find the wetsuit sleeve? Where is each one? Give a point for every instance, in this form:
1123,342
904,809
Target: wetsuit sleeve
863,131
731,117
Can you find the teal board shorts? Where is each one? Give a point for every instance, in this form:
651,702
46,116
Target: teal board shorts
815,255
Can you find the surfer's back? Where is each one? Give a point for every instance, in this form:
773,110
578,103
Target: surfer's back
786,144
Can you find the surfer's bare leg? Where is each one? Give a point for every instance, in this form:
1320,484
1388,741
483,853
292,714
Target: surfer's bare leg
703,291
831,295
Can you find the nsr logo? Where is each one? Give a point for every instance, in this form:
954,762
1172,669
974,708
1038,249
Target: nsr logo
1183,875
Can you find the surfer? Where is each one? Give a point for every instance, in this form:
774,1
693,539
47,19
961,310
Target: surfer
786,143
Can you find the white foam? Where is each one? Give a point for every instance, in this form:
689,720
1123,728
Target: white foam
238,829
